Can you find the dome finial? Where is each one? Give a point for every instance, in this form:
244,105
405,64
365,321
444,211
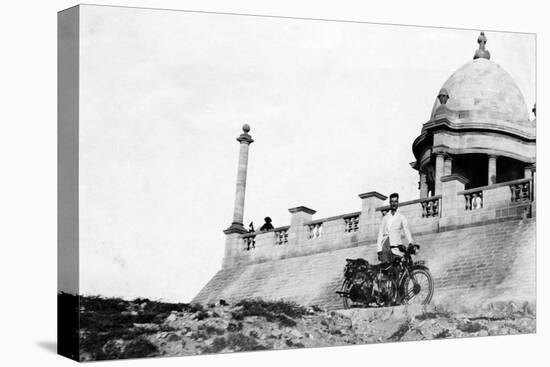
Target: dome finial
481,52
443,96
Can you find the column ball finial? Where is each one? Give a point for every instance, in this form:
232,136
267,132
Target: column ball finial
246,128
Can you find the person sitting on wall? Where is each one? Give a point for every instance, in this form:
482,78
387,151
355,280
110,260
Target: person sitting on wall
389,234
267,226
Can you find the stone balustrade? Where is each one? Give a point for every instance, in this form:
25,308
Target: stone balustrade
430,207
521,191
281,235
422,214
456,207
315,230
265,238
415,209
473,200
498,195
249,241
351,223
492,202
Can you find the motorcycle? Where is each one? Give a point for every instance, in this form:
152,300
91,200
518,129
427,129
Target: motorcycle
402,281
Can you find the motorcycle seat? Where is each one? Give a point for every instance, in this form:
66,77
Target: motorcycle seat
358,260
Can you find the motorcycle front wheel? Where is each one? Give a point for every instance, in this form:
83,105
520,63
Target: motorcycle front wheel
418,287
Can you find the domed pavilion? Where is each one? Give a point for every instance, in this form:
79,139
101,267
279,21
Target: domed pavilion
479,128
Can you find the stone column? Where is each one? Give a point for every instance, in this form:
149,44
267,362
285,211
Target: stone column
423,185
528,172
238,212
492,170
233,235
298,232
367,221
448,165
451,203
439,171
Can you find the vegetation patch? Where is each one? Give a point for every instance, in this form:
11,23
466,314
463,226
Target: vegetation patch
442,334
232,327
291,344
433,315
237,342
274,311
107,329
137,348
211,330
401,331
112,328
470,327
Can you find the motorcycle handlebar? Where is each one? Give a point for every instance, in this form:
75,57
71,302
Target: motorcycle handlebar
412,248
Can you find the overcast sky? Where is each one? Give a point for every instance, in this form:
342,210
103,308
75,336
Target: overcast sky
334,108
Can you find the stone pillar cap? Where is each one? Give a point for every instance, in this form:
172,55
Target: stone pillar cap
235,228
375,194
455,176
245,137
302,209
440,149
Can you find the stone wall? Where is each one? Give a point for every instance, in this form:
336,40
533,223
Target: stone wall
471,263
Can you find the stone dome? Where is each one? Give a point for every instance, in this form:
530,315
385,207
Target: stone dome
482,92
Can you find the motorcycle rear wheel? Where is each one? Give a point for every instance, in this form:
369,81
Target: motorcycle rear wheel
346,287
418,287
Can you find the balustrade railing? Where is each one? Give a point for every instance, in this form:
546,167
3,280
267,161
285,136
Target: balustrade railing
315,230
281,235
521,191
249,241
430,208
473,200
486,197
351,224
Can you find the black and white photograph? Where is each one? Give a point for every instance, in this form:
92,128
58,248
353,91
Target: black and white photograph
225,181
255,183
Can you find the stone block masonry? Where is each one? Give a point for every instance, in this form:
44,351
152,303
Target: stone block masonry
470,265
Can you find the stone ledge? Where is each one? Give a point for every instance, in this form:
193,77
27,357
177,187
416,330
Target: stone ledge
235,228
455,176
375,194
500,184
336,217
410,202
303,209
444,123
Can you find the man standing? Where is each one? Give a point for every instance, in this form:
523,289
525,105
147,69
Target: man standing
389,235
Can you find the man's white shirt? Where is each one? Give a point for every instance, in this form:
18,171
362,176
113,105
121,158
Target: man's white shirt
391,227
